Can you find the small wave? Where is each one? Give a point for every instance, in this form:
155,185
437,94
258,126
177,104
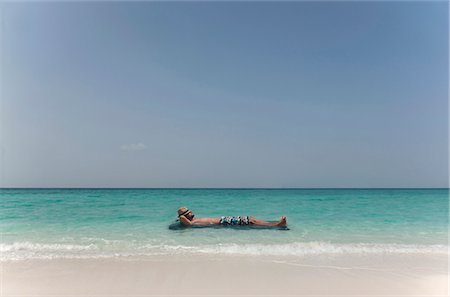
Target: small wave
28,246
317,248
28,250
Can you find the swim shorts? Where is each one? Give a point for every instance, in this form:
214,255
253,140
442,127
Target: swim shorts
239,220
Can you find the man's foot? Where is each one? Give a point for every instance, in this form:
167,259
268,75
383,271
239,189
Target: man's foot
282,222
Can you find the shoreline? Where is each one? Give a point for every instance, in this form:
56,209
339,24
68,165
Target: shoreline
222,275
21,251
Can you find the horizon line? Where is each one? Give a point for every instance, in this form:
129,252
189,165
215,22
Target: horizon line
227,188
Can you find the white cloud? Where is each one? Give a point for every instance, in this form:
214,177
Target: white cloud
133,147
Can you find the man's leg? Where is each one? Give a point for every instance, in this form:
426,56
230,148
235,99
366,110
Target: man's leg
257,222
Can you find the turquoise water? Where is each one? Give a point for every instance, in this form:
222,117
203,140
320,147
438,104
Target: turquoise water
48,223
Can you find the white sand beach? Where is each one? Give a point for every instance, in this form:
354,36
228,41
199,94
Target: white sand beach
210,275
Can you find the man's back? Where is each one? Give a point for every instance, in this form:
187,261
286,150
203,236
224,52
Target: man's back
199,221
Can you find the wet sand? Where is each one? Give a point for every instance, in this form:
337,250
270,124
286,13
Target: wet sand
210,275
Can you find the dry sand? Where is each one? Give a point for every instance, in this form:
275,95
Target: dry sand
208,275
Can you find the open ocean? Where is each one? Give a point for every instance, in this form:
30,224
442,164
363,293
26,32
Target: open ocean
96,223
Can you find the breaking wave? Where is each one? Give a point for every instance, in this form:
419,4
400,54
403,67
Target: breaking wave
28,250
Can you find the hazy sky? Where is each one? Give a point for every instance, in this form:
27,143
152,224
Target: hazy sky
229,94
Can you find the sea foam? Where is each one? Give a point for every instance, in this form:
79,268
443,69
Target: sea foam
28,250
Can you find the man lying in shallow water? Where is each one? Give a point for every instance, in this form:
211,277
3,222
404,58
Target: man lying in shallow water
187,218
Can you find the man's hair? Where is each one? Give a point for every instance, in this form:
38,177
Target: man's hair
182,210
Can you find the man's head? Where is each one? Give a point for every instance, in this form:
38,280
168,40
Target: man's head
184,211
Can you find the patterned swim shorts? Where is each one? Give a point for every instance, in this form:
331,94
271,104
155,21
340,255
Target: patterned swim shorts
239,220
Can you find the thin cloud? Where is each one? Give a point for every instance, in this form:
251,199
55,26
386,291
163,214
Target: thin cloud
133,147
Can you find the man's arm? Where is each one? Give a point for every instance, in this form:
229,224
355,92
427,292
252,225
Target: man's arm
185,221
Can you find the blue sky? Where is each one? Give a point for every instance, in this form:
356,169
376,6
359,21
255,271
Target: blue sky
229,94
